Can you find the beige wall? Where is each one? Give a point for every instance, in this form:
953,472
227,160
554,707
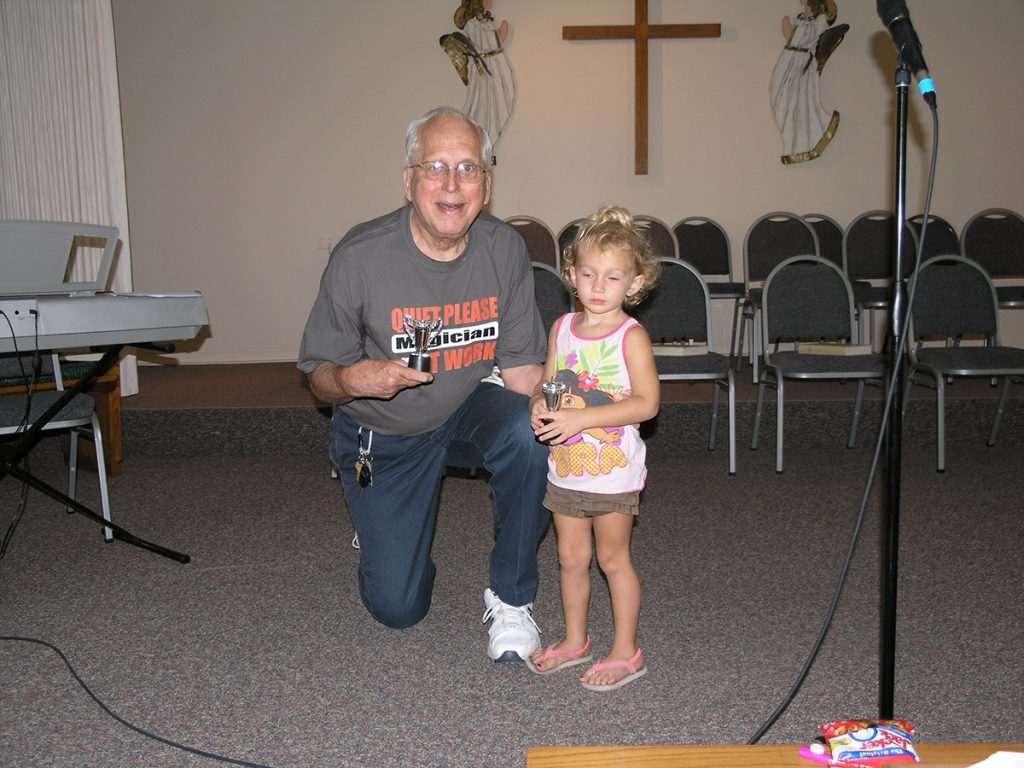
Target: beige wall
258,131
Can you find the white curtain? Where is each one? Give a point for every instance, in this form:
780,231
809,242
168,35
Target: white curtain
61,152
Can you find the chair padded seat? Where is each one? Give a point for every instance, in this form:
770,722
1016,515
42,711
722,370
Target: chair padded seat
712,365
12,408
12,372
974,361
796,364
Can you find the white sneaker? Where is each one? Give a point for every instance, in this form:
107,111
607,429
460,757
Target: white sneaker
513,633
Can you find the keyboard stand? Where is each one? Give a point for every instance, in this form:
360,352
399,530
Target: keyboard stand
12,453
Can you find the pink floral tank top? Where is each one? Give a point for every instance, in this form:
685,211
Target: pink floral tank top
600,460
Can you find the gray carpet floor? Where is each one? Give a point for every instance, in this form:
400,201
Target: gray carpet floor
260,650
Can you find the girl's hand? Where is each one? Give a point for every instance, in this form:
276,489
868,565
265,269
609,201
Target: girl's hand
556,427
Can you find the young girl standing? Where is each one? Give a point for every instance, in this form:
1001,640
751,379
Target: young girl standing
602,358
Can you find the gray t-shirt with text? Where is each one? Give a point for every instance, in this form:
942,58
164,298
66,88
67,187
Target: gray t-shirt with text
377,276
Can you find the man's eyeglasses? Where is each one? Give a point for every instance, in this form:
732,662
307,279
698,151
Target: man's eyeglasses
436,170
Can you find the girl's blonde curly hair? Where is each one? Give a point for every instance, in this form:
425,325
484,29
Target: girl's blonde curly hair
613,228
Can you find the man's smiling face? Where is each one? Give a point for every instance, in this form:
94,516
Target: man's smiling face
444,210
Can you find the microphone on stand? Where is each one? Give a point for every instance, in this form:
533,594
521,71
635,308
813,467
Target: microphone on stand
895,15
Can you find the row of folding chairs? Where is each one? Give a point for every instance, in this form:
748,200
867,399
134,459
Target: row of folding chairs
953,331
680,321
991,244
704,243
807,328
864,249
993,237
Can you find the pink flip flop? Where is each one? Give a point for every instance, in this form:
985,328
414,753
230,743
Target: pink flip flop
630,665
568,659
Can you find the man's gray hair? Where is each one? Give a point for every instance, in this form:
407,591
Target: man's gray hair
415,130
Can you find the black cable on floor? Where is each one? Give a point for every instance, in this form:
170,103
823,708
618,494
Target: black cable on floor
121,720
8,535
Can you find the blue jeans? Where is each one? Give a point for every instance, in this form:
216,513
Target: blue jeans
396,516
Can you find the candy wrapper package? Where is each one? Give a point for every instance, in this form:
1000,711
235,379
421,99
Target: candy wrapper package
870,742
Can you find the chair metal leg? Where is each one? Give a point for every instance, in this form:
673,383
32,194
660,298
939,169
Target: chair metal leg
856,414
940,420
755,347
732,423
906,392
744,319
779,396
999,411
729,383
72,468
757,415
101,470
751,318
737,318
715,397
871,324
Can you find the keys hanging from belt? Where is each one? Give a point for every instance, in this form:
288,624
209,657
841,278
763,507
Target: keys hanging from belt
364,464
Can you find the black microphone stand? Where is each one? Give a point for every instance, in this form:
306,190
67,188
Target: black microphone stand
894,432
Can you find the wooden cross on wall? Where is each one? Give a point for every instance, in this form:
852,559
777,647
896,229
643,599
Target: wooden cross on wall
641,32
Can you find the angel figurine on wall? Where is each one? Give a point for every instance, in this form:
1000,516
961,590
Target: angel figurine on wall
479,57
806,126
